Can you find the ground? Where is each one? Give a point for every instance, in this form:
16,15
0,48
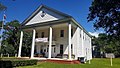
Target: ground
95,63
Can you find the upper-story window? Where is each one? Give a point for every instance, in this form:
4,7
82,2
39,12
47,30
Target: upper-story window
42,34
71,32
83,36
36,35
62,33
80,33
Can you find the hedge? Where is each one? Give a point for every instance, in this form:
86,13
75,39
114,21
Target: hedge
15,63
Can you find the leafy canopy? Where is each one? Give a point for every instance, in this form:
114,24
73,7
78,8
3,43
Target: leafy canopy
11,39
104,44
106,14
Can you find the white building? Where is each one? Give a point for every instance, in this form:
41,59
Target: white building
56,35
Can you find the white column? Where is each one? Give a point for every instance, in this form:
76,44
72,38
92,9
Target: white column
69,41
82,34
90,49
20,45
33,44
50,42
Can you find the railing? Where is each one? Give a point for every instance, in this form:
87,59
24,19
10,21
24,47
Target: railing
8,55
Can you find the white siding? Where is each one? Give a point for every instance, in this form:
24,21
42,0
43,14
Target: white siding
79,46
49,16
87,47
81,50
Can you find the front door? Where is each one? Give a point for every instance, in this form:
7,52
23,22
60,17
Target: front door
61,49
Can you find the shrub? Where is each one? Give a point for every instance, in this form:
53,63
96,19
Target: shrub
7,63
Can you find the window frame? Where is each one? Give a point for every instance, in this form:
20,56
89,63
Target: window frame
42,34
61,33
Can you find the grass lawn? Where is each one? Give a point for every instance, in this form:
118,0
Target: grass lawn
95,63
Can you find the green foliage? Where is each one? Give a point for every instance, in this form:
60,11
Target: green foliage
10,63
27,41
11,39
105,44
106,14
0,24
2,7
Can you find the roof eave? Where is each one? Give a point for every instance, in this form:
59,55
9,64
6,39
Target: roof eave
79,25
45,23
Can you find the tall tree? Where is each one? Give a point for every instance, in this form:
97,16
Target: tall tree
11,36
104,44
106,14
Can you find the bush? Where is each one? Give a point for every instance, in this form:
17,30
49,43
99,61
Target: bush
7,63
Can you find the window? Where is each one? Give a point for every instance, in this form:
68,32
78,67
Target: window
36,35
62,33
61,48
71,32
44,50
47,48
42,34
54,49
83,36
80,33
71,48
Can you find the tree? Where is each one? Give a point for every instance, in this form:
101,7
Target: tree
100,43
106,14
27,41
0,25
104,44
11,39
2,7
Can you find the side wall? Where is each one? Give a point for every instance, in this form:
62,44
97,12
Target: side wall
87,46
81,44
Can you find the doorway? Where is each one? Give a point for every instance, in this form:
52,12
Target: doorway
61,49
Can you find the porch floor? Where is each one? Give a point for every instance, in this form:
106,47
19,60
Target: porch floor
54,60
58,60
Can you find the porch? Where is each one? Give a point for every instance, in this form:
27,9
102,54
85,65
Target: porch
50,42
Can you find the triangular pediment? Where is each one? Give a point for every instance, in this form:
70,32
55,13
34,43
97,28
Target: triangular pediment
44,14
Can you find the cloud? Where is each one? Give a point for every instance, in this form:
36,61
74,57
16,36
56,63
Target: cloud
95,33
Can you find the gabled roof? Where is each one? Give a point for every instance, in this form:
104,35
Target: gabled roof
38,9
67,18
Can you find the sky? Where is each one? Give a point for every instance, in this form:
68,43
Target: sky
21,9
